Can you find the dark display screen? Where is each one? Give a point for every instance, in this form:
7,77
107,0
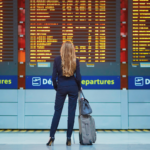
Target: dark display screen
139,44
8,44
89,24
6,31
141,31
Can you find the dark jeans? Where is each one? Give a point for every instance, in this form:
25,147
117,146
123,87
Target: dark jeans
72,92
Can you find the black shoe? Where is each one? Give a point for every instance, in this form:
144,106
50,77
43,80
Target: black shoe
50,141
68,143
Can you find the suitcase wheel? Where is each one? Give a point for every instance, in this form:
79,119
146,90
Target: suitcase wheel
90,142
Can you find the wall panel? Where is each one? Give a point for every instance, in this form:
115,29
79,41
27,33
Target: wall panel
8,96
92,95
48,109
40,96
44,122
139,122
8,122
139,96
8,109
139,109
110,122
107,115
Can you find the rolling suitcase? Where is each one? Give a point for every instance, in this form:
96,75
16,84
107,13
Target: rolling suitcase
87,132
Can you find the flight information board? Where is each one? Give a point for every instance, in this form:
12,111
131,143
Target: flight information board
89,24
141,31
6,31
8,43
92,25
139,43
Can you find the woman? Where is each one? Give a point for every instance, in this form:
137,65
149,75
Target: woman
64,67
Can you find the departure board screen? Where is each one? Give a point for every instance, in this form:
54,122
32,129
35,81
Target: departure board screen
141,31
6,31
139,44
89,24
8,37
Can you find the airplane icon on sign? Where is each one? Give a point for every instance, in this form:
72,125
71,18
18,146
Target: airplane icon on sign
139,81
36,81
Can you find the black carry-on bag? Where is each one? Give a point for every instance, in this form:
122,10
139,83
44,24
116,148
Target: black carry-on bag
87,132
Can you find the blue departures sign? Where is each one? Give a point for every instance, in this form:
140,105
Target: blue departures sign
39,82
100,82
88,82
8,82
139,82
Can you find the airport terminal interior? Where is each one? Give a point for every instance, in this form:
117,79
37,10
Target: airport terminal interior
112,43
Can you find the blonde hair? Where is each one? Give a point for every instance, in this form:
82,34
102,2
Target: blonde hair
68,58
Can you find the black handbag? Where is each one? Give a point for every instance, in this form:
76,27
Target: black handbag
84,106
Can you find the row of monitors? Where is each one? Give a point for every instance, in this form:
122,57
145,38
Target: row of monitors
92,25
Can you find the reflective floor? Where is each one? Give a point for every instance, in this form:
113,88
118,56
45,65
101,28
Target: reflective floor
105,141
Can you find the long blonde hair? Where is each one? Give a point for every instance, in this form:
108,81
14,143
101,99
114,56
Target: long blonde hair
68,58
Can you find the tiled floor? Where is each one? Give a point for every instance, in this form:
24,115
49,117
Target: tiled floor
105,141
